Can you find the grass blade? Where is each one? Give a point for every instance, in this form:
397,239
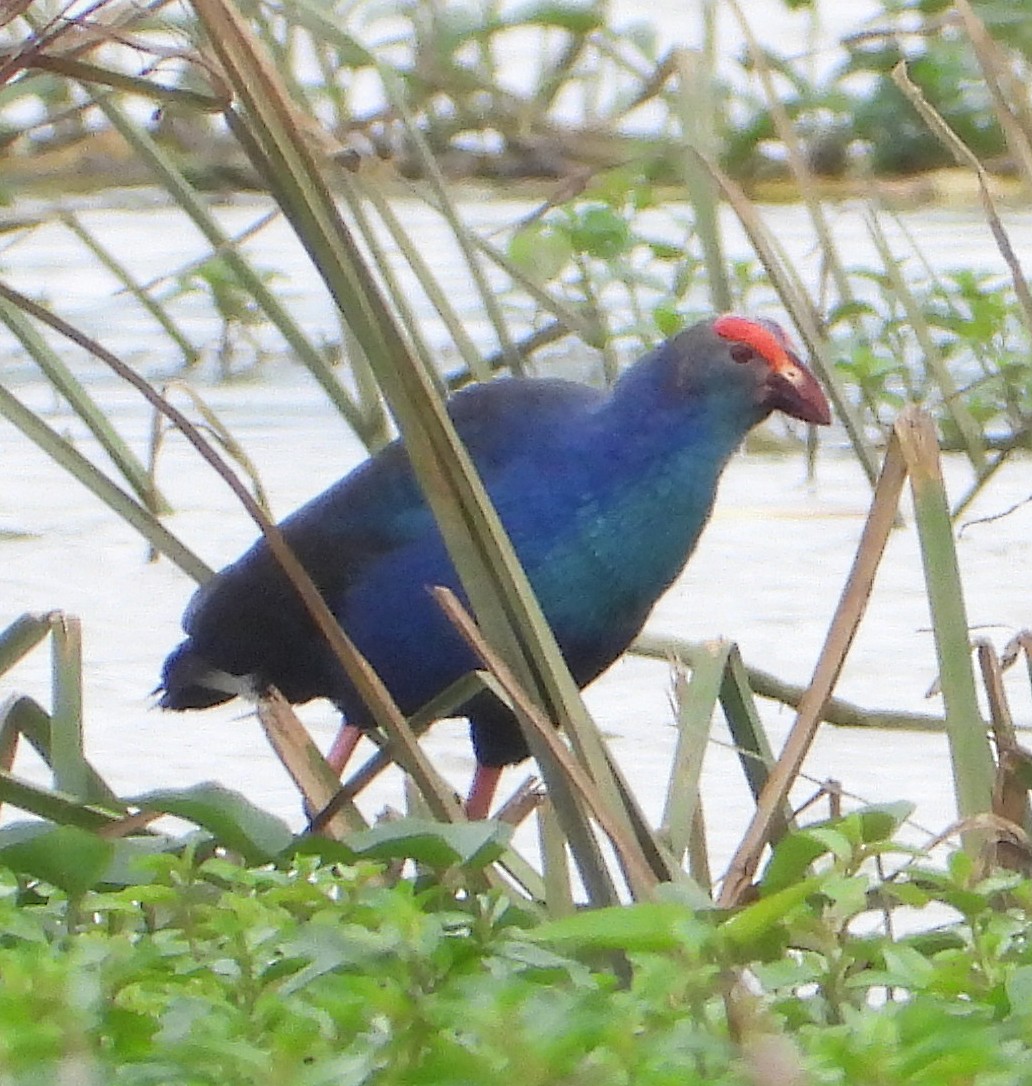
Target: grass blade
966,157
973,769
73,462
558,895
967,426
1010,792
696,700
797,301
796,156
66,749
497,587
55,807
191,354
764,684
21,637
25,716
995,69
566,779
173,181
219,431
438,185
695,106
471,357
442,706
743,720
309,770
80,401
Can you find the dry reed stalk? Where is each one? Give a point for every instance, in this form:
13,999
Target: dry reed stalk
844,624
966,157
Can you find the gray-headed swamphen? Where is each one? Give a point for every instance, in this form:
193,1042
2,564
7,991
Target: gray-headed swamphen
603,494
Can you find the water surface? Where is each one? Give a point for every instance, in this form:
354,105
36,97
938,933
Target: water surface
767,573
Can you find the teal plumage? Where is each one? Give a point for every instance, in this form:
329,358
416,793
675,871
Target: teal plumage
604,496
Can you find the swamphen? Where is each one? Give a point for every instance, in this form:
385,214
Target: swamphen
603,494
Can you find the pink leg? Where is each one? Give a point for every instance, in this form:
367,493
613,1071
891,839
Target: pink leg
343,747
482,790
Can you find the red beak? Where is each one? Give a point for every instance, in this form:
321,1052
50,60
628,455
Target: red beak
792,388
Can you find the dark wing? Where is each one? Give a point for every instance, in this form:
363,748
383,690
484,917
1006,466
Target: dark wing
509,418
248,619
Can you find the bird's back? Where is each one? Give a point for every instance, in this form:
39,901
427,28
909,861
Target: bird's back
372,547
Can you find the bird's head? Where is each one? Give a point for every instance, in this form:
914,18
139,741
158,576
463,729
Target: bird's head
784,383
754,359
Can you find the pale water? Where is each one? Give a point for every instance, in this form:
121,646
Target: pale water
767,573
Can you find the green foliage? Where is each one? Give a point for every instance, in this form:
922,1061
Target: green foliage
608,253
975,329
157,959
66,856
588,76
857,111
233,820
898,140
620,263
232,301
205,971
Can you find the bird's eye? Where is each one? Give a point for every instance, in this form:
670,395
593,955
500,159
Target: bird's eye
741,352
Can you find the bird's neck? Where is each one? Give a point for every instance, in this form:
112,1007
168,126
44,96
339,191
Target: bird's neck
650,433
660,458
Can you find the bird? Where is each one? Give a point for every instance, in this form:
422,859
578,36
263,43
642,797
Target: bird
603,493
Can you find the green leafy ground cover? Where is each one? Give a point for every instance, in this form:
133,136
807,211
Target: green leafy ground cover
207,971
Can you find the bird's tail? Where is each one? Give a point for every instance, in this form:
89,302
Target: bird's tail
188,682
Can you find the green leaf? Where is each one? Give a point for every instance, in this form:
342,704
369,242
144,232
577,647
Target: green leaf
125,867
576,18
435,844
848,311
847,893
791,860
907,967
747,930
530,956
1019,987
795,853
668,319
321,949
950,889
665,250
64,856
784,972
22,925
601,233
907,892
649,926
232,819
540,252
930,943
880,821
